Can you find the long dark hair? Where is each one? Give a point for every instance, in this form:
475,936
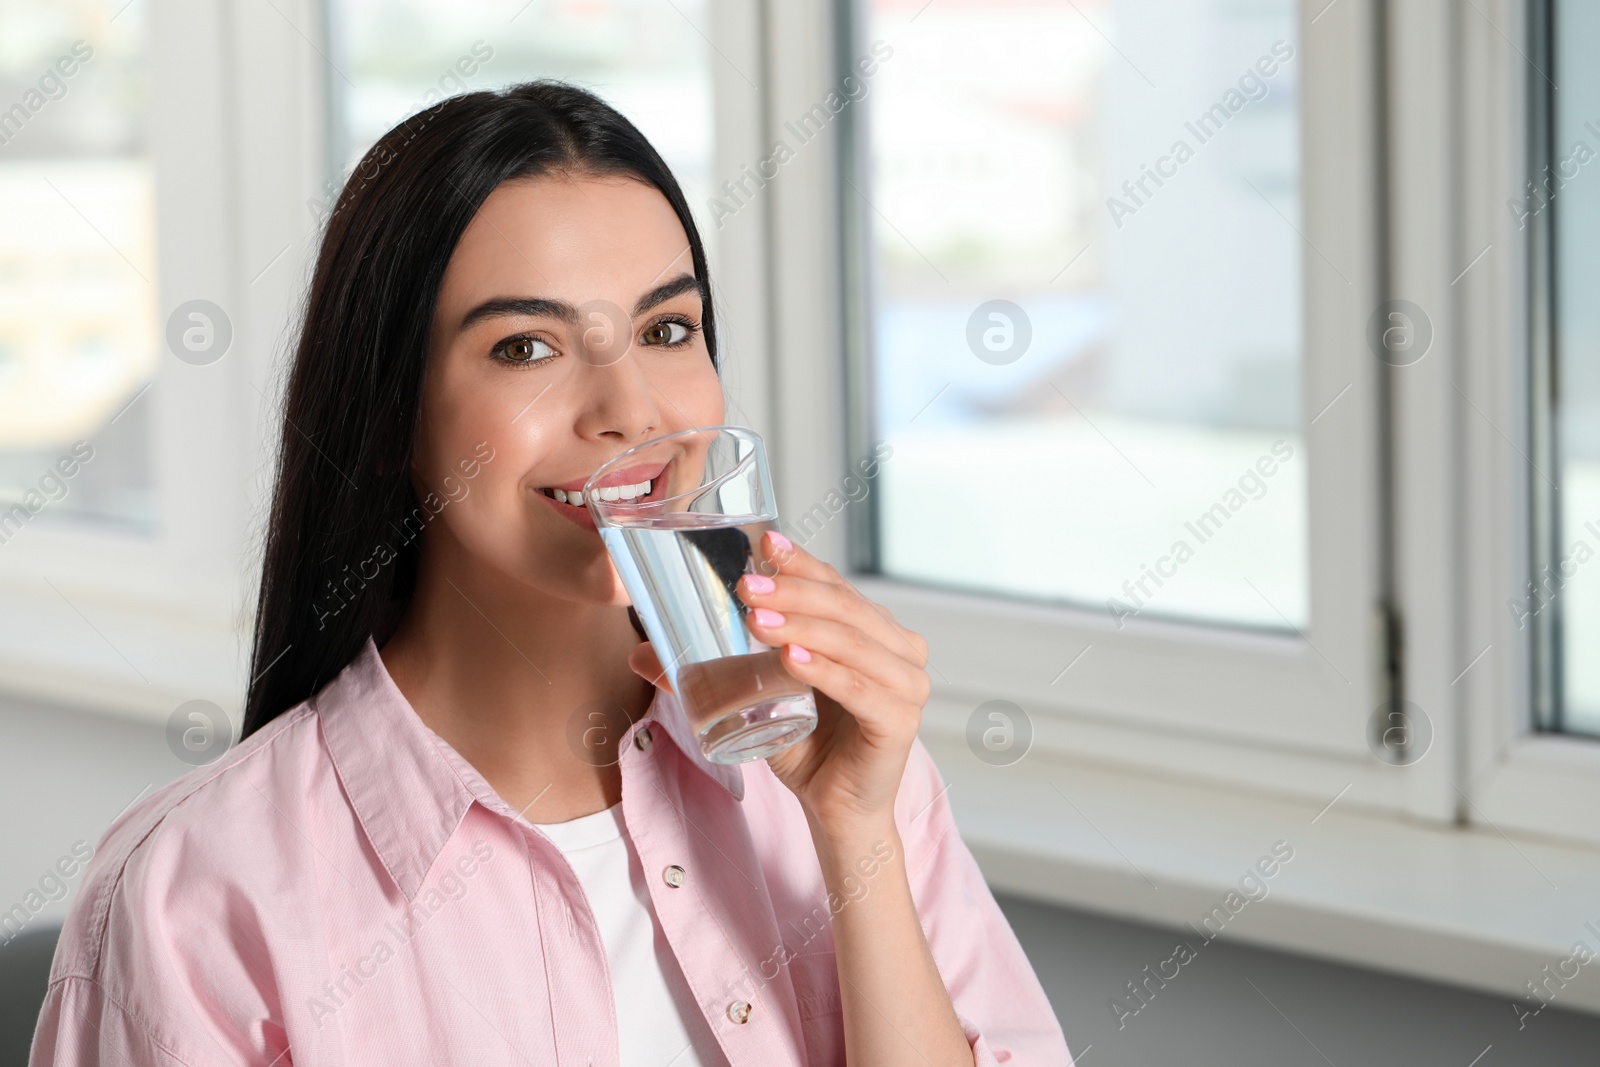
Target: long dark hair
343,506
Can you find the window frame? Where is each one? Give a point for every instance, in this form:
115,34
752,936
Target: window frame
238,219
1446,111
136,623
1517,777
1132,699
1428,99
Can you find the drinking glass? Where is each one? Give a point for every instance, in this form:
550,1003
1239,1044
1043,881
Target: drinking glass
680,516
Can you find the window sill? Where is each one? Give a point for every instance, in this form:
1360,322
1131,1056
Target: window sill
1462,906
114,655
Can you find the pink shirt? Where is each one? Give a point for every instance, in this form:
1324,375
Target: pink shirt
343,888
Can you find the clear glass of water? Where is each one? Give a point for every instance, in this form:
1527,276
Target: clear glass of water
680,516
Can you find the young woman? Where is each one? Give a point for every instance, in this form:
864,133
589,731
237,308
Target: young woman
460,829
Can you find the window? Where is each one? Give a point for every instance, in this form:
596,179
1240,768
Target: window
1563,599
136,316
1083,227
648,58
1177,327
1108,270
78,317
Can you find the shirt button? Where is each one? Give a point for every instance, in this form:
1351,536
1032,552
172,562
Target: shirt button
643,739
739,1011
673,876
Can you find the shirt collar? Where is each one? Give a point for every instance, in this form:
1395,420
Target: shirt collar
410,789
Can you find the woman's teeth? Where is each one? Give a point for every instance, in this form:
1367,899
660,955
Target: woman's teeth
610,492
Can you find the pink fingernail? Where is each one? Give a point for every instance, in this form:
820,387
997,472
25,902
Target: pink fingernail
768,618
798,654
780,542
759,583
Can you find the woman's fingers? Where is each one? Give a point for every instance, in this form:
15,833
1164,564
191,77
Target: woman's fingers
846,646
804,584
786,557
881,708
794,595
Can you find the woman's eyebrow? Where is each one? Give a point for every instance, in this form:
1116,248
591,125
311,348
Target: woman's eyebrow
546,307
537,306
683,283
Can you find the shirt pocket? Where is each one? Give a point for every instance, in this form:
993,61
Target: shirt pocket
816,986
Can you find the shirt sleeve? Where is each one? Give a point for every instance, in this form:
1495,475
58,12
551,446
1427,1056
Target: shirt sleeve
80,1026
161,960
997,997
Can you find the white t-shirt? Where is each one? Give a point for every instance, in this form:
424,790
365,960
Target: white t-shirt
647,986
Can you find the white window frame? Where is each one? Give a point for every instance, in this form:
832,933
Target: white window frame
1191,748
138,623
1254,710
241,117
1208,701
1516,777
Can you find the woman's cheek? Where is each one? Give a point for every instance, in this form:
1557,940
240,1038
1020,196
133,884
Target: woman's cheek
695,390
471,460
487,519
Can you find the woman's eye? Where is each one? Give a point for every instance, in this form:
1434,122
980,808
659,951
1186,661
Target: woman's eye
666,333
523,350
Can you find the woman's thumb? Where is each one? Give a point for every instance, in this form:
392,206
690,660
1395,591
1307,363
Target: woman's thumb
644,662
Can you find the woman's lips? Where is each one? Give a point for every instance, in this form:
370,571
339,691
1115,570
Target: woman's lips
640,472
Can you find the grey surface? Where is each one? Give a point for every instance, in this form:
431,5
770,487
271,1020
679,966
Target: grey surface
1300,1013
24,974
65,775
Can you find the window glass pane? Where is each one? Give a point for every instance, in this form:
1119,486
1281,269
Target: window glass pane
1086,325
78,331
647,58
1573,591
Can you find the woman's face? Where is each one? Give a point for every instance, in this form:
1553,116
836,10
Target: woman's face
567,331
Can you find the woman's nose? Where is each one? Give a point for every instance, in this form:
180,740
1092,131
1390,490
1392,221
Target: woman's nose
619,403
